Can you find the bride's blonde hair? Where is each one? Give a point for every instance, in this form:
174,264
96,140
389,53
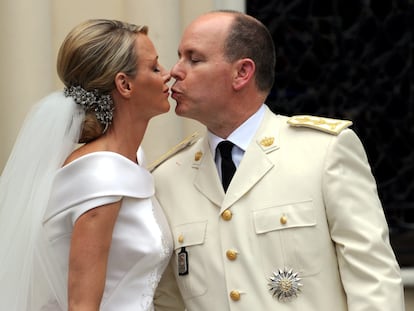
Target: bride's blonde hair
90,57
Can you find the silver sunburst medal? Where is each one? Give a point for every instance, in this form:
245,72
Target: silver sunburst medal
285,285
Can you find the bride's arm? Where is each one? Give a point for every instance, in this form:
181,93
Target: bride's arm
90,244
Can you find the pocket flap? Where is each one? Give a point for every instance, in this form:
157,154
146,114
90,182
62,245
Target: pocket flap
298,214
189,234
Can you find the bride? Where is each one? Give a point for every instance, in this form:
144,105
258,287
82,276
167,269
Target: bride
80,227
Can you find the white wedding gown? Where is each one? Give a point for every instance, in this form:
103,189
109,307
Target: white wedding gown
141,244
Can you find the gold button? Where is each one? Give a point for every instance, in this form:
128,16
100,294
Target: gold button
283,220
235,295
226,215
180,238
231,254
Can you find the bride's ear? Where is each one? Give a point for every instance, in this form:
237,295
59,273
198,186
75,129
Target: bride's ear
122,84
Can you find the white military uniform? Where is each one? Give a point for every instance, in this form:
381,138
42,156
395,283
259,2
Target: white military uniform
300,228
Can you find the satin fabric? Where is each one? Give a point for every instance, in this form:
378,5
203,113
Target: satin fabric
141,242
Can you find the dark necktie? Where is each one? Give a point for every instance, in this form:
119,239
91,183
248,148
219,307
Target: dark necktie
227,165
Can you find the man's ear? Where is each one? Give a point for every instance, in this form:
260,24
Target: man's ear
122,84
244,72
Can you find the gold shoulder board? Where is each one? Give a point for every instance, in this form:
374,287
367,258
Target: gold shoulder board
184,144
331,126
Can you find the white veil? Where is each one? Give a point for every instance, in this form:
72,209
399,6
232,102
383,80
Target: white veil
47,137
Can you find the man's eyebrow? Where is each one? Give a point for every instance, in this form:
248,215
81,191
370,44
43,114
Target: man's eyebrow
187,52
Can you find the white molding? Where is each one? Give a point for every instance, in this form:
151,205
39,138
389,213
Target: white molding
407,275
238,5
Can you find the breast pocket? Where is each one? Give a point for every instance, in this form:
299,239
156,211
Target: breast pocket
189,240
290,232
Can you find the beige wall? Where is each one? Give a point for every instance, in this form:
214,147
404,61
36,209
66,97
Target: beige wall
31,32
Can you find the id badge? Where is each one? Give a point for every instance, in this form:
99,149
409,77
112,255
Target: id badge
182,262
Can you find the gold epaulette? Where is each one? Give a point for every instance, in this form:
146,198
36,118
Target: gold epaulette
185,143
331,126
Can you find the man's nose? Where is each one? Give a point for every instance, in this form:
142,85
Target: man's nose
177,71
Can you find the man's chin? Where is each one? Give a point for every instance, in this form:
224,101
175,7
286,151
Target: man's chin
180,110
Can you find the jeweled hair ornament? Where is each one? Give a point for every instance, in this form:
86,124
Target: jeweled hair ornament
102,105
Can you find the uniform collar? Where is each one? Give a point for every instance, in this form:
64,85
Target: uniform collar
241,136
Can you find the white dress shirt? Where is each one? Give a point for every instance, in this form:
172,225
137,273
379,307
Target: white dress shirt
240,137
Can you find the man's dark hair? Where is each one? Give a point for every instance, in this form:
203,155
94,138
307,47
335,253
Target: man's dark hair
249,38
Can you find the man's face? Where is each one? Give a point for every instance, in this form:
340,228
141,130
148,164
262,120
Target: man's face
203,76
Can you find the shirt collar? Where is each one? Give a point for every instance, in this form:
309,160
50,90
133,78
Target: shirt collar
241,136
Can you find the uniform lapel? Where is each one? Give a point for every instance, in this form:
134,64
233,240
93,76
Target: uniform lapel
256,162
207,180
